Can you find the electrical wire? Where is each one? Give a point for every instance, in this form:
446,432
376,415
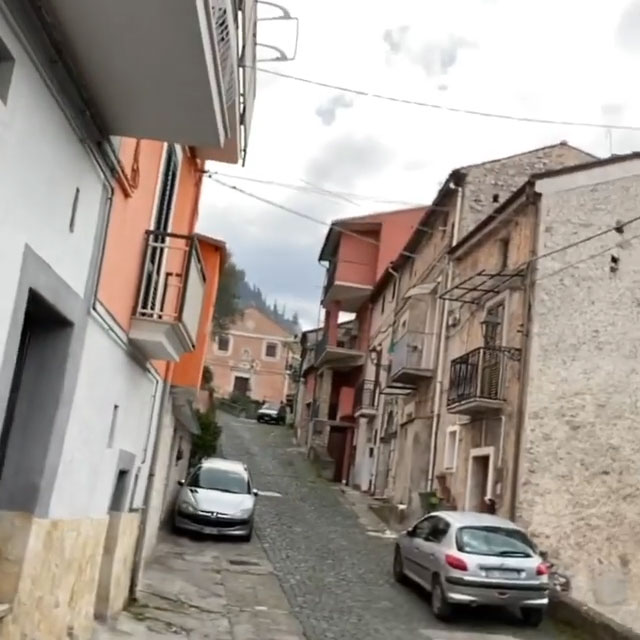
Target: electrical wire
300,214
308,188
441,107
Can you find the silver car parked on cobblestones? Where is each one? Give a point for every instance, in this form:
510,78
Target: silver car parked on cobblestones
473,559
217,499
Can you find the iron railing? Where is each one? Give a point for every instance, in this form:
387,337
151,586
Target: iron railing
172,282
331,277
478,374
365,396
411,352
320,347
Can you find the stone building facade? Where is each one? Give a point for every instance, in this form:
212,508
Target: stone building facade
548,427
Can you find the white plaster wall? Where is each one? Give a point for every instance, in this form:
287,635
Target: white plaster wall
580,462
107,377
42,162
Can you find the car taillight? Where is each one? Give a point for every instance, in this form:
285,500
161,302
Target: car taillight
456,563
542,569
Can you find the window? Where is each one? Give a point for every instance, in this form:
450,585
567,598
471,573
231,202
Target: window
451,449
7,63
494,541
504,253
215,479
223,343
271,350
432,529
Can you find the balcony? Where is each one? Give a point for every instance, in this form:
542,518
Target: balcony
366,398
169,304
343,355
350,284
412,358
160,69
477,381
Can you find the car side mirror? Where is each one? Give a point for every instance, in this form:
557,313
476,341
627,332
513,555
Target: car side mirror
181,483
256,493
411,532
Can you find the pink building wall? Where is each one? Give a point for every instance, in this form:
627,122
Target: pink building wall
357,259
396,229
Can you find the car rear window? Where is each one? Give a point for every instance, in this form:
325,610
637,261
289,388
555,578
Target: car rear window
494,541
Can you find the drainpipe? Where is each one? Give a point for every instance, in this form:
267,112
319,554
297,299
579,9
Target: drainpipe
376,451
441,348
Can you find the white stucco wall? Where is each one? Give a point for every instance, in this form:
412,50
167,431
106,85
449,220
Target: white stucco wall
42,162
579,493
108,377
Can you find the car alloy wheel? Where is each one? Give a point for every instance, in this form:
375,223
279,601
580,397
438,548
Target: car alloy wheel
439,605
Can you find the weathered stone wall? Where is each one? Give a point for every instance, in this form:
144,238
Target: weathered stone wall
58,569
579,492
491,183
117,564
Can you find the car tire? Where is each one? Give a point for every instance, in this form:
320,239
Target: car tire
440,606
398,567
248,536
531,616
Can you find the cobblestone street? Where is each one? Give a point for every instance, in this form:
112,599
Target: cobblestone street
335,574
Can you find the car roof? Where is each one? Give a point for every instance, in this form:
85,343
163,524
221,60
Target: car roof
472,518
223,463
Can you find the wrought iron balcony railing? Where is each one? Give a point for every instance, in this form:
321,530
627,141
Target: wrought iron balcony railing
479,375
365,396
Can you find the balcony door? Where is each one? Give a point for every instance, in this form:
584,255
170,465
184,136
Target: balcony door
491,371
155,285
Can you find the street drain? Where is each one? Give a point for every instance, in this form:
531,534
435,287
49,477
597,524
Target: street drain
243,563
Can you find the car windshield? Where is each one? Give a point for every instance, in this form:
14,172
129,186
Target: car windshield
494,541
269,407
218,479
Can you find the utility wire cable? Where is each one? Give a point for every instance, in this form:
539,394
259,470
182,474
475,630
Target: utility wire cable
300,214
345,195
442,107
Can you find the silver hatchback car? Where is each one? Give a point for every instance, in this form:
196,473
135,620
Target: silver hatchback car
474,559
217,498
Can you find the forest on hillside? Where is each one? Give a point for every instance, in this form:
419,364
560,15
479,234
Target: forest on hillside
236,293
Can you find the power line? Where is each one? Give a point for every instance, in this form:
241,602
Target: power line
441,107
587,258
312,189
618,227
300,214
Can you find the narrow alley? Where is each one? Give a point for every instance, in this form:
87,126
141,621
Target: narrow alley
321,576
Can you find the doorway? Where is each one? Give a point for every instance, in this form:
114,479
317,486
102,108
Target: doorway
34,395
479,479
241,385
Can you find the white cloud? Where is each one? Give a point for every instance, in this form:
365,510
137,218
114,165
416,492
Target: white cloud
565,60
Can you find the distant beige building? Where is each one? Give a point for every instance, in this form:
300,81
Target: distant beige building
253,358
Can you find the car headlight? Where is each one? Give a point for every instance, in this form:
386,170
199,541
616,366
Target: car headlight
187,507
243,513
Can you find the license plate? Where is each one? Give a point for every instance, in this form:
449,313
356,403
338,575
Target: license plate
502,573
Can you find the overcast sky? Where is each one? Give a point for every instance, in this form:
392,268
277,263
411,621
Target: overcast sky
561,60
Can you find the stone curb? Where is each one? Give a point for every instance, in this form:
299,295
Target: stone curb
563,608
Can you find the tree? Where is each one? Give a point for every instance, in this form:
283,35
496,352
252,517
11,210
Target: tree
205,443
228,309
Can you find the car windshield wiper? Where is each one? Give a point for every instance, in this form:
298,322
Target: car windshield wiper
222,490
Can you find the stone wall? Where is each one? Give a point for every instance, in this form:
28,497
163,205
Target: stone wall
491,183
579,492
58,571
117,564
